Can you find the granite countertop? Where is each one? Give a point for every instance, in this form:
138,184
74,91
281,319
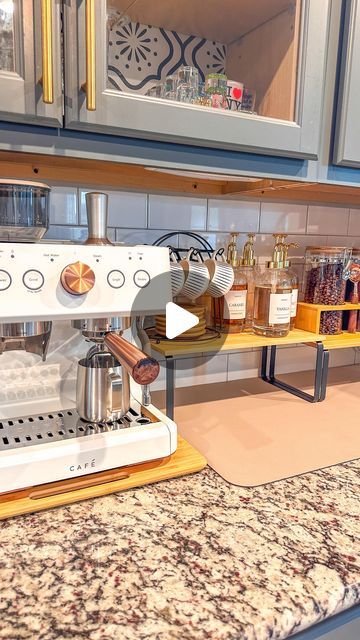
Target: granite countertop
193,558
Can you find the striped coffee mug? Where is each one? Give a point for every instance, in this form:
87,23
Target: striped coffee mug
177,275
196,276
221,276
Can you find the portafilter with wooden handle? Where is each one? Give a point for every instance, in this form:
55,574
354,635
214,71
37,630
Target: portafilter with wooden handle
142,368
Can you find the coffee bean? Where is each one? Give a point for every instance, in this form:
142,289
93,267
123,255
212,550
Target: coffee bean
325,285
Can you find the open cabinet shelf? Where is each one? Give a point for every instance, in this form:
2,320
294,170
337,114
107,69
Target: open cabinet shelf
215,37
190,16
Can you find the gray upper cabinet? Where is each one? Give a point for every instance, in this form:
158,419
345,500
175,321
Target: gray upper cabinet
347,138
30,61
130,77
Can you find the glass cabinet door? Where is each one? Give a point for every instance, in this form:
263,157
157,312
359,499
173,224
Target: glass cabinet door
239,74
347,139
30,61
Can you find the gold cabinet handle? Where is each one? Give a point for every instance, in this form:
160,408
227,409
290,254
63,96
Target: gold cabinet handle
47,52
90,85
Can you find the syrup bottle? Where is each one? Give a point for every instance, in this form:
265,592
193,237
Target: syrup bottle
248,266
273,290
230,309
295,283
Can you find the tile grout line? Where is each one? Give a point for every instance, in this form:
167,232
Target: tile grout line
348,224
307,220
207,215
147,210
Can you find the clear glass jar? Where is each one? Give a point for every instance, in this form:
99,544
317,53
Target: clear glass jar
352,319
272,303
216,83
324,283
24,210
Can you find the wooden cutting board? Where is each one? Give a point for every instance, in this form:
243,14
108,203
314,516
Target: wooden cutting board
184,461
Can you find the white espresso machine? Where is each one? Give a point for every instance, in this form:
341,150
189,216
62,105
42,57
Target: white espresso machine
41,283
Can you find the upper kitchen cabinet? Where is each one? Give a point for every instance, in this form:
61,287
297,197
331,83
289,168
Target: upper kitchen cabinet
233,74
30,61
347,139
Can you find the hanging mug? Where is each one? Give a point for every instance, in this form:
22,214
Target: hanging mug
221,275
177,275
196,275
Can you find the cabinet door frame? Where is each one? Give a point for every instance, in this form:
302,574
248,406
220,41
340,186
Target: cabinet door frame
146,118
21,90
347,131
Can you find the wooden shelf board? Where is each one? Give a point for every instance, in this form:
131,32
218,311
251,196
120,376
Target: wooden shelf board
342,341
184,461
115,175
190,17
348,306
232,342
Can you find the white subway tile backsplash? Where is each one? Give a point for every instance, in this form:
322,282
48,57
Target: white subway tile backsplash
282,217
125,209
173,212
138,219
201,370
225,215
69,234
354,222
290,359
342,357
243,365
339,241
328,220
63,206
219,240
141,236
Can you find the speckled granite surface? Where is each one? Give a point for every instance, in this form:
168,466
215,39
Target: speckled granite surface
193,558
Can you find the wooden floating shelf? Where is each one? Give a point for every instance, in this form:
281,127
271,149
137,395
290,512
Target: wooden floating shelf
232,342
309,315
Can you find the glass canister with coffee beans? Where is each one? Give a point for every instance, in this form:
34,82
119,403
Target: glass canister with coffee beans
324,283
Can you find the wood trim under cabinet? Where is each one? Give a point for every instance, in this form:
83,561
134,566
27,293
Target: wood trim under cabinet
113,175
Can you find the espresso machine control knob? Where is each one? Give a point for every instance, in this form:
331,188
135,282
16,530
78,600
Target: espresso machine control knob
77,278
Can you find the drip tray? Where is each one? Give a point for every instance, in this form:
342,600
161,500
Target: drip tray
28,431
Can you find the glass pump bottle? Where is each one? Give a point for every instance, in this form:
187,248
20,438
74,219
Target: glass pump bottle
295,283
248,267
230,309
272,302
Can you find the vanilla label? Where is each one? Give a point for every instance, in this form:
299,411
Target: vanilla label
280,308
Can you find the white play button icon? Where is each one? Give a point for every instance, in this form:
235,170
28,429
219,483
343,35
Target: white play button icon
178,320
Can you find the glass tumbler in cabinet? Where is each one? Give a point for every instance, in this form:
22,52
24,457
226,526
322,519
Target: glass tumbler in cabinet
267,58
31,62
